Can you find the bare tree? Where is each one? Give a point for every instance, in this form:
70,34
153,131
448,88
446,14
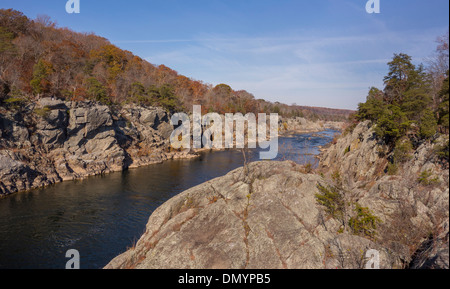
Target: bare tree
438,65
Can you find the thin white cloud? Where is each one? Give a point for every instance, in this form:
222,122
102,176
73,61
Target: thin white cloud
308,70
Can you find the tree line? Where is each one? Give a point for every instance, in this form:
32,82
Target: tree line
413,107
39,59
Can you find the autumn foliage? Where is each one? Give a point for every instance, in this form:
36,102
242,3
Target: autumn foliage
39,59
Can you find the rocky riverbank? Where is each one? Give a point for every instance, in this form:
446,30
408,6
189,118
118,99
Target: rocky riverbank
268,215
299,125
52,141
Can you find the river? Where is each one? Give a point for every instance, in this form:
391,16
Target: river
102,216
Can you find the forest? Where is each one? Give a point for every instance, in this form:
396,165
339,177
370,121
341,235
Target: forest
39,59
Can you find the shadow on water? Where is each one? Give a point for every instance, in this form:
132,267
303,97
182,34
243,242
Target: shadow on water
102,216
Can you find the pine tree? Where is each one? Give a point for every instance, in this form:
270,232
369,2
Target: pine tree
427,125
401,71
97,91
444,105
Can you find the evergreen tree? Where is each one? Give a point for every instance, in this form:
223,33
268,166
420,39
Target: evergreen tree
427,125
168,99
373,107
443,110
138,93
406,100
97,91
401,71
41,73
392,124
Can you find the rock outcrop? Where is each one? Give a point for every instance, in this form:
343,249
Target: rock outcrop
299,125
267,215
268,218
414,201
52,141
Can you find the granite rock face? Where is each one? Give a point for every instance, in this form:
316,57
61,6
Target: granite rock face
267,218
297,125
52,141
410,204
267,215
15,176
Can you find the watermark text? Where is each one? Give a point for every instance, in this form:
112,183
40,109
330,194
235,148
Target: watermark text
73,6
215,131
373,261
373,6
74,262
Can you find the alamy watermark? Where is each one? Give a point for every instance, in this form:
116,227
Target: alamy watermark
373,6
73,6
215,131
373,259
74,261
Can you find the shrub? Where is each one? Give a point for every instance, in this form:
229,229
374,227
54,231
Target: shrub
392,169
364,223
337,179
442,152
43,112
335,140
401,154
308,168
14,102
426,180
4,89
347,150
332,200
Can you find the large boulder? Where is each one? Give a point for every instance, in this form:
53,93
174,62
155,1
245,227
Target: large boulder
268,218
87,118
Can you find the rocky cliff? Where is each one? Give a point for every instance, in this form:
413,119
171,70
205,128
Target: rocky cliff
268,215
413,199
51,141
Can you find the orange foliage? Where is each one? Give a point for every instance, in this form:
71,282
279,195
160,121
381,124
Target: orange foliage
77,57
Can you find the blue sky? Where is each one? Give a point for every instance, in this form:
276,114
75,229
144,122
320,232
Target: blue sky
317,53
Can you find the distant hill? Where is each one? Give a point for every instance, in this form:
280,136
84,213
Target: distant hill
325,113
39,59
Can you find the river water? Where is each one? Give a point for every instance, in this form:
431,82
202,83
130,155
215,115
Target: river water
102,216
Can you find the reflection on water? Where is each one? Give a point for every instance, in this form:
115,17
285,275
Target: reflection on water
102,216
